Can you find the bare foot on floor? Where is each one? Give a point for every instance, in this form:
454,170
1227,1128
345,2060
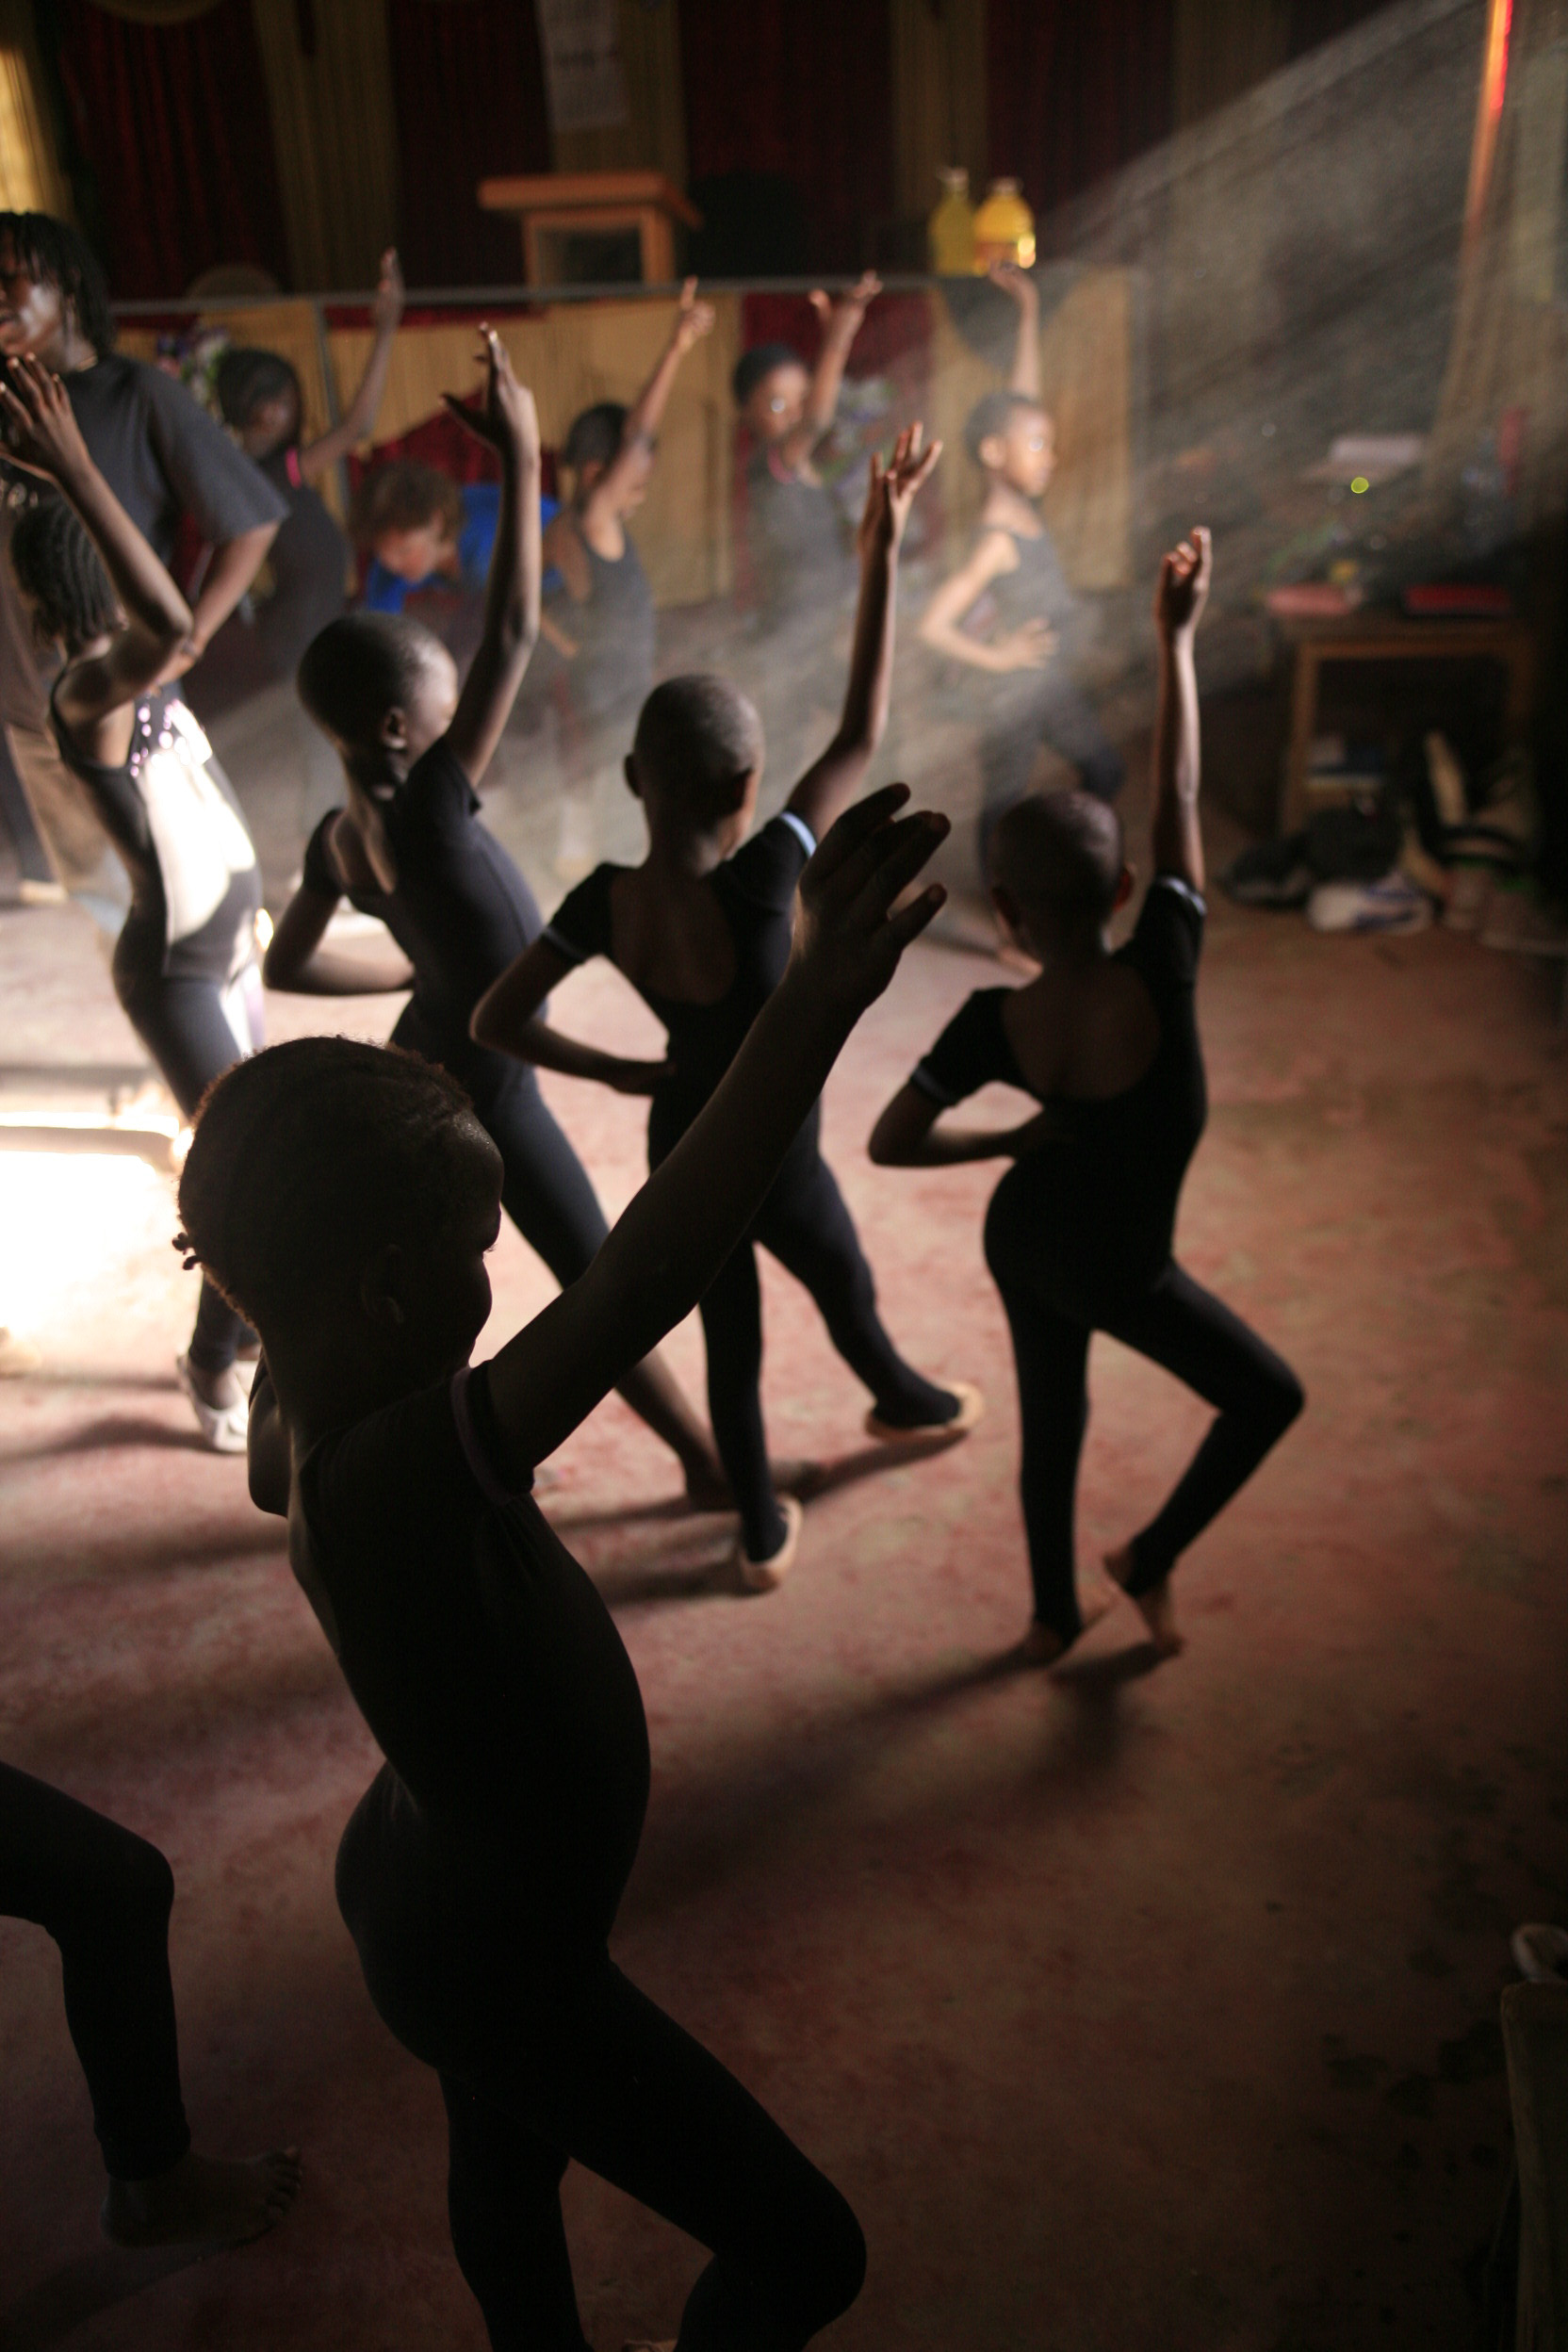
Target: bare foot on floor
1155,1607
1043,1645
203,2200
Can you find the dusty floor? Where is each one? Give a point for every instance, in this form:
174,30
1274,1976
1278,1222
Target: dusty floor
1128,2007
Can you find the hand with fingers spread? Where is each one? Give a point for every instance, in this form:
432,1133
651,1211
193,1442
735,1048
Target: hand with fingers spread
847,943
1182,588
891,490
1029,647
693,319
506,417
39,423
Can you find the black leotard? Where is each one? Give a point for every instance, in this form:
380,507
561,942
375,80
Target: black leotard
757,890
803,568
501,1695
615,629
1035,590
461,911
177,829
1104,1189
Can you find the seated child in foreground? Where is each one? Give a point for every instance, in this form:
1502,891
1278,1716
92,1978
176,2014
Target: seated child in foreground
602,621
410,849
1078,1234
1028,697
702,931
347,1195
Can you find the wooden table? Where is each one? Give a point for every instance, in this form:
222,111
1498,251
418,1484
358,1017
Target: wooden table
1390,637
551,207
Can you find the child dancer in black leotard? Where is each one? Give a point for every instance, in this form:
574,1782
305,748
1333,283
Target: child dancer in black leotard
603,623
105,1895
185,961
346,1195
702,931
1030,697
410,849
1078,1234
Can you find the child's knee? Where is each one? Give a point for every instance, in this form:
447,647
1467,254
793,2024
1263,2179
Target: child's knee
133,1887
836,2271
1287,1399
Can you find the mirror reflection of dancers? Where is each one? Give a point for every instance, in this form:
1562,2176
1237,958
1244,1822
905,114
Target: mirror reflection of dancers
105,1896
1029,697
603,622
803,573
702,929
1078,1234
411,849
183,963
349,1198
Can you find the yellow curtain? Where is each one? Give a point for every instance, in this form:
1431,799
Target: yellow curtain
939,98
334,136
653,138
1508,351
30,175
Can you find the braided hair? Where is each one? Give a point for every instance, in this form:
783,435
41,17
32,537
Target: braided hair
58,570
315,1153
52,253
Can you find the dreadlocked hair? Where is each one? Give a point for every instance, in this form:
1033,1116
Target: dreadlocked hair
52,253
58,571
315,1151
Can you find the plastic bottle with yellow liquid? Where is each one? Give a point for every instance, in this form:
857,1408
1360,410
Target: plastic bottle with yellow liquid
950,230
1003,228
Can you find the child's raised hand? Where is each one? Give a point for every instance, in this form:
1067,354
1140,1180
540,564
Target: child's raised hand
1182,588
847,942
1017,284
842,318
39,421
890,491
507,417
693,319
388,308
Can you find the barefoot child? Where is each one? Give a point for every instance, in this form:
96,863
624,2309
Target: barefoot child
410,849
348,1197
259,392
1014,565
105,1896
1079,1231
603,622
701,929
184,964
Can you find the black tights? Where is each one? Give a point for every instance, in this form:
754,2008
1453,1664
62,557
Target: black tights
804,1222
614,2083
1188,1332
105,1896
186,1030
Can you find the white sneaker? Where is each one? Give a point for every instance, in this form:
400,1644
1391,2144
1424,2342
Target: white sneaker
225,1429
1394,904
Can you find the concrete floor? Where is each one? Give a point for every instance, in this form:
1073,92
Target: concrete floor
1128,2007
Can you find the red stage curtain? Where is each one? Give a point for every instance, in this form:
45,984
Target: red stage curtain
173,122
801,92
469,90
1073,93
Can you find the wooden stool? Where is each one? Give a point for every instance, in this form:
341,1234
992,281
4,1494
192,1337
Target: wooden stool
565,216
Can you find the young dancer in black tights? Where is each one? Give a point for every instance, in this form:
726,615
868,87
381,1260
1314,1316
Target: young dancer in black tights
603,623
185,961
701,929
346,1196
105,1896
1078,1234
410,849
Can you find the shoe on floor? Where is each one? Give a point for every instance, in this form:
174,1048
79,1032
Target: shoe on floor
1392,905
225,1429
926,1434
766,1576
